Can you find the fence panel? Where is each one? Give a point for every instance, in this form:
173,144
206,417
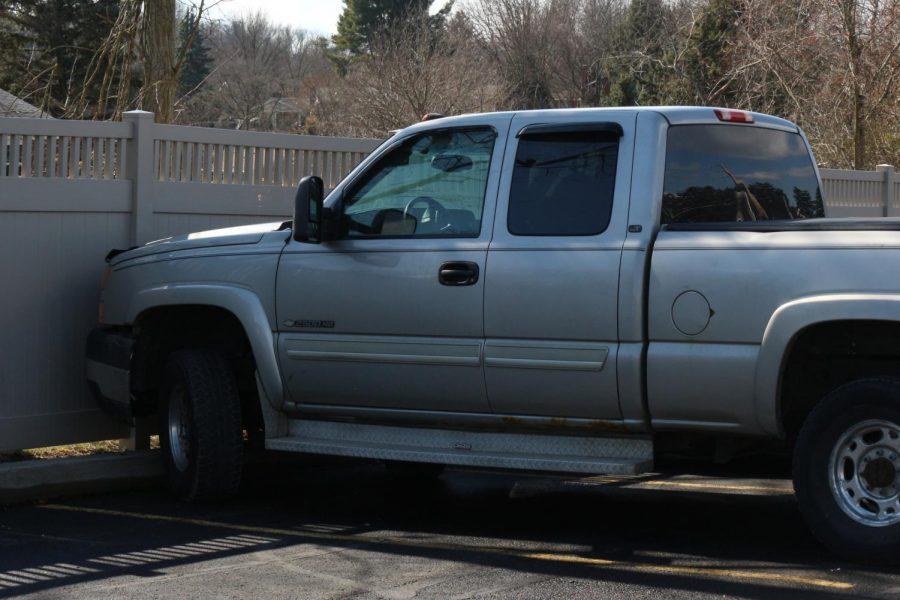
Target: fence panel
63,205
67,197
208,178
71,190
853,193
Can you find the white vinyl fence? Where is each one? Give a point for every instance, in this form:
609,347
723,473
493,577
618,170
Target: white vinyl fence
861,193
72,190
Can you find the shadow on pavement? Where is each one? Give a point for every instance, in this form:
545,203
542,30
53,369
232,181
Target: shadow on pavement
616,535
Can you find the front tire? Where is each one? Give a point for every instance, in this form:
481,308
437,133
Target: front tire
200,425
847,470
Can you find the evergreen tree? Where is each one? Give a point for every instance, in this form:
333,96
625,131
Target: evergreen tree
706,57
363,20
197,62
640,78
46,46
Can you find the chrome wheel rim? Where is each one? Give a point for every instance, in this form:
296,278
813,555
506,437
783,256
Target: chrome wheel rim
179,428
865,473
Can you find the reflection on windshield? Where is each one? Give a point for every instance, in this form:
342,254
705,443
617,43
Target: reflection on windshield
723,173
432,184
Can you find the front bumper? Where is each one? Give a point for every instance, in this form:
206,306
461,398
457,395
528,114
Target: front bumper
108,371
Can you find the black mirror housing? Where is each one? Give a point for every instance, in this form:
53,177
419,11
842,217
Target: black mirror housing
309,215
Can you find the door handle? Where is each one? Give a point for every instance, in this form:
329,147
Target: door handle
458,273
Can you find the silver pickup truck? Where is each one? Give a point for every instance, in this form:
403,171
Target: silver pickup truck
560,290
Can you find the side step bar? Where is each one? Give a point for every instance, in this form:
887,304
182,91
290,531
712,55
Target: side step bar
571,454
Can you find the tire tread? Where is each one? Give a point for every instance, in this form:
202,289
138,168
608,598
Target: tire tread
827,521
216,411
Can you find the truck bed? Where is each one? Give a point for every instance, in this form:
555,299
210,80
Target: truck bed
843,224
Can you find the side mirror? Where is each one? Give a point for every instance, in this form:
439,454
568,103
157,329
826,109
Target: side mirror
308,212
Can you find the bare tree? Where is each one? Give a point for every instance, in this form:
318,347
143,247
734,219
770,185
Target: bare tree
584,34
832,66
556,52
158,54
307,55
411,70
143,38
252,65
519,37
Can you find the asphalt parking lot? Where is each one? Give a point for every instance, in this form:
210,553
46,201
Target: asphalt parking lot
326,529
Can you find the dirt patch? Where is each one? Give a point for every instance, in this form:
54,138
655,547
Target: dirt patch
105,447
87,449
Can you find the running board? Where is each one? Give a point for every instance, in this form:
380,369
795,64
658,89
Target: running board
571,454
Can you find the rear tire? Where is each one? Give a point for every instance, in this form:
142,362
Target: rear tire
200,425
847,470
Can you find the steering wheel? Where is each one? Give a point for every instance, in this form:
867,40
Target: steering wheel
435,206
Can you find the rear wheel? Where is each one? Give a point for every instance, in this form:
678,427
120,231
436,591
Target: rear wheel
200,425
847,470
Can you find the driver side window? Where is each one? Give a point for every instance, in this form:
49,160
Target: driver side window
432,185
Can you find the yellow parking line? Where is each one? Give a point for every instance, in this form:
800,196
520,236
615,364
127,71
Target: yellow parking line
701,571
200,522
510,552
724,487
636,482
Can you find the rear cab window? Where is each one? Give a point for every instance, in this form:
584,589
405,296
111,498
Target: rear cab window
726,173
563,184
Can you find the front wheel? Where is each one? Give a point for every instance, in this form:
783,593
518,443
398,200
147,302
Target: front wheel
200,425
847,470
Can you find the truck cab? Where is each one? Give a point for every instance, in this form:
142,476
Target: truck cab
541,290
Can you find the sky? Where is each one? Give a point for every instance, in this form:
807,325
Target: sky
319,16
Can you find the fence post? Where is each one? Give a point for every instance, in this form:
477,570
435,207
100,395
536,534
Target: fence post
139,169
887,189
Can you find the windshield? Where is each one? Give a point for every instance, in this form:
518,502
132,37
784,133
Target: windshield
727,173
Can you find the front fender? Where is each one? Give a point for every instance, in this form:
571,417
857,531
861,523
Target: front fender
786,324
241,302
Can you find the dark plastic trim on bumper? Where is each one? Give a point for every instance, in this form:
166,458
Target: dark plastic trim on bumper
108,371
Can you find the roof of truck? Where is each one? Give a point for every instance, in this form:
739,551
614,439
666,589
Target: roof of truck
675,115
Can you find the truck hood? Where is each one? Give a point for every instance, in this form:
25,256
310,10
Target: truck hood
229,236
